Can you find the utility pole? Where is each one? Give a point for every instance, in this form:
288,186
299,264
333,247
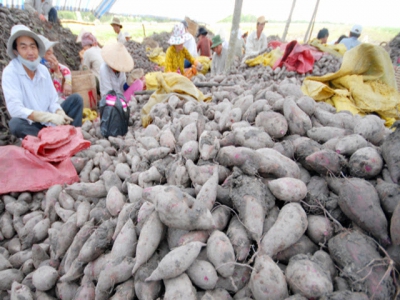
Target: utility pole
234,35
311,25
288,21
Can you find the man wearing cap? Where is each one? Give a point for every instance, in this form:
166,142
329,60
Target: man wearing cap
127,36
189,44
116,25
352,41
44,8
204,43
117,61
256,41
219,56
30,96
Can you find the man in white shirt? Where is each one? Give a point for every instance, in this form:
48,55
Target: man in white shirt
116,25
190,45
44,8
352,40
256,41
30,96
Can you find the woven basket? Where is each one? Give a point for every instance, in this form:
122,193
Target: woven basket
397,76
192,26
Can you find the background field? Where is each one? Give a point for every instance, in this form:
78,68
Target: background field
104,32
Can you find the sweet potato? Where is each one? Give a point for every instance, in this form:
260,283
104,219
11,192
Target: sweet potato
355,253
306,104
395,226
365,163
149,289
200,174
179,288
319,229
326,161
267,280
244,158
249,196
220,253
299,122
303,246
372,128
349,144
149,239
307,278
288,189
208,145
389,194
124,290
238,236
273,123
125,242
287,230
20,291
44,278
239,279
359,201
221,216
202,274
324,134
271,162
303,148
249,137
189,133
190,150
168,267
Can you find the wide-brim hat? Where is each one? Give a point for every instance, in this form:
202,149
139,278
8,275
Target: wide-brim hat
216,41
261,20
21,30
47,43
202,31
116,21
117,57
179,35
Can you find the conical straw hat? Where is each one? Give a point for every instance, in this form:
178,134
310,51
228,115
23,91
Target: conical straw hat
117,57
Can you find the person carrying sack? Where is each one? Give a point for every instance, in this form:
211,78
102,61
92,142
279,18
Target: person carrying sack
29,93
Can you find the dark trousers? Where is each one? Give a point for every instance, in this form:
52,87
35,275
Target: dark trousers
72,106
187,64
53,15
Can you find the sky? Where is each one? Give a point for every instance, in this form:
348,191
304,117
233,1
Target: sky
383,13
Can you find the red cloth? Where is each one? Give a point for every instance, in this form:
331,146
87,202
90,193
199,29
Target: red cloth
22,171
296,58
55,144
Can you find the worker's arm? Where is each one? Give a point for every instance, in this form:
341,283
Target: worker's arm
169,65
250,45
188,56
29,5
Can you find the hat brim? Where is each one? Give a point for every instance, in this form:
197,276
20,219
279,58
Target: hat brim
116,24
51,45
216,44
117,57
19,33
177,40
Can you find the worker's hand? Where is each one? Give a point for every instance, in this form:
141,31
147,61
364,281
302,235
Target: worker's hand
199,67
67,119
46,117
81,53
42,17
67,90
131,79
54,64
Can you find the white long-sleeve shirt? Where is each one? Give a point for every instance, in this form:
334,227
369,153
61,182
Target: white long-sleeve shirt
24,95
254,45
111,81
39,6
218,62
121,37
191,46
93,60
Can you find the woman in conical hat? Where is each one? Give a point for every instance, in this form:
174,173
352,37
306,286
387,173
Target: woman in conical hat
117,61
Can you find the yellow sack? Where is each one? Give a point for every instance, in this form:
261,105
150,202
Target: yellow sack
206,62
366,79
337,50
156,56
169,84
151,80
88,115
266,59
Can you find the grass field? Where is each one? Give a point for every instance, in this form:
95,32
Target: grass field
374,35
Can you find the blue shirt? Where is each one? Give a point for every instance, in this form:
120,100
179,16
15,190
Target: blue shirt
24,95
350,42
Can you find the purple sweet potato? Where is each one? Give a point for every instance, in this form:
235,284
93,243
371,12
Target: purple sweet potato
299,122
220,253
271,162
359,201
355,253
238,236
273,123
288,189
391,154
349,144
244,158
389,194
395,226
324,134
365,163
326,161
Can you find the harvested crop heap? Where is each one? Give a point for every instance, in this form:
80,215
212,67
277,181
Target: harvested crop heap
162,39
138,53
67,52
209,198
395,48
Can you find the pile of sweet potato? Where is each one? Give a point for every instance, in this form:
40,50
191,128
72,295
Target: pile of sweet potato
261,194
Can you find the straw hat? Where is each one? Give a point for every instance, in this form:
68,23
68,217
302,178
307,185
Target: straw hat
116,21
22,30
261,20
117,57
179,35
47,43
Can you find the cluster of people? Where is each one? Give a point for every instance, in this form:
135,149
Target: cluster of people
350,41
38,89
